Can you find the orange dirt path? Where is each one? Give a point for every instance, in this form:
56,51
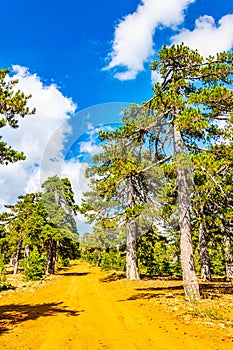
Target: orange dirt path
83,308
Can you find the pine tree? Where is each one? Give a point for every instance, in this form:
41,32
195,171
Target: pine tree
119,193
13,105
194,96
58,199
43,223
212,201
21,224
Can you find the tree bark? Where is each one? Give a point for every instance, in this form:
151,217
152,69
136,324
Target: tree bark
99,258
204,253
16,262
228,256
132,272
26,251
227,250
51,257
190,282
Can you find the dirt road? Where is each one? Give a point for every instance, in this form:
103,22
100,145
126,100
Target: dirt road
85,308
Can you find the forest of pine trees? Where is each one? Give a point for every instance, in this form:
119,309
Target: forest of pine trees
160,200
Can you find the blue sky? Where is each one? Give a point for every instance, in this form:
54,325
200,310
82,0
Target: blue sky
83,61
67,42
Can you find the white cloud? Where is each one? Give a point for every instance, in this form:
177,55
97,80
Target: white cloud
133,39
75,171
89,147
155,77
207,36
34,134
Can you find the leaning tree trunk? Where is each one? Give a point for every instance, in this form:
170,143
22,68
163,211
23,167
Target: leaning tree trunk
132,272
51,257
16,260
204,253
190,282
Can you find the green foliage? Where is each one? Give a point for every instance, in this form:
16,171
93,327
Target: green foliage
68,249
13,105
113,260
91,255
193,100
58,200
158,254
106,259
103,237
43,221
34,265
5,246
212,201
2,272
63,262
9,155
135,175
217,260
207,313
119,186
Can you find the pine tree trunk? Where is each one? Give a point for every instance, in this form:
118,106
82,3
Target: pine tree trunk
51,257
26,251
132,272
204,253
99,258
228,256
227,250
16,264
191,286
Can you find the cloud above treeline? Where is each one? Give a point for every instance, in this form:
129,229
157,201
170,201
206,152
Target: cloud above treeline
208,36
45,138
53,111
134,35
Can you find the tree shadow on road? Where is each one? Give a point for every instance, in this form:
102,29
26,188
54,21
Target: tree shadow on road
156,292
13,314
113,277
216,289
207,290
75,274
167,288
